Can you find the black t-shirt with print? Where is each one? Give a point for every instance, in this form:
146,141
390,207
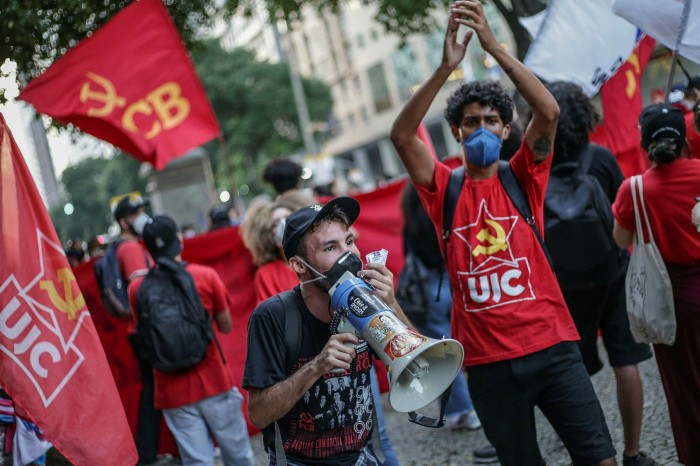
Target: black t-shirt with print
332,421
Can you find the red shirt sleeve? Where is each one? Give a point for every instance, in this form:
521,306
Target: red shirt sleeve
133,259
218,293
623,209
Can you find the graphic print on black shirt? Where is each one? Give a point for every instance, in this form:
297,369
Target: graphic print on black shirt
335,415
332,421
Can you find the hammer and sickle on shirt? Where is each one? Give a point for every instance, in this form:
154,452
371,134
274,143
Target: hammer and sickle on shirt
496,243
108,96
71,304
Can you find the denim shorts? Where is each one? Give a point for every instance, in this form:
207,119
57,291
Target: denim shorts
505,394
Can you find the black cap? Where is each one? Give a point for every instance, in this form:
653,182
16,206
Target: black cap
128,205
693,84
300,220
662,121
160,237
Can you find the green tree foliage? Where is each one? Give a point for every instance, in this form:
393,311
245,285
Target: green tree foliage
254,105
37,32
89,185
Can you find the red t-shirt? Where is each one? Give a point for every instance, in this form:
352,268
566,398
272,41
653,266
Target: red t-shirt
506,301
273,278
669,196
211,376
133,259
692,135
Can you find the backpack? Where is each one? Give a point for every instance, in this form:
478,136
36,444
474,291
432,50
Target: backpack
111,284
411,292
173,329
578,226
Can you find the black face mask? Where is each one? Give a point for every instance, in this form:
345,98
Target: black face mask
348,262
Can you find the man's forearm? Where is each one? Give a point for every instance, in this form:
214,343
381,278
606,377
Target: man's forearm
532,90
410,117
267,405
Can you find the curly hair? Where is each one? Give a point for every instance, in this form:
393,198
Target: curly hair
577,118
256,230
282,174
486,93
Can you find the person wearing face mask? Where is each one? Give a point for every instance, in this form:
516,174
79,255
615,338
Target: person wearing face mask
508,312
134,262
315,237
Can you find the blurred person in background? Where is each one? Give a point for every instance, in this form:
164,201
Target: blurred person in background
670,187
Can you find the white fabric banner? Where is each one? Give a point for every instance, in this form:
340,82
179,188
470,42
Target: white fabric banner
581,41
29,443
663,23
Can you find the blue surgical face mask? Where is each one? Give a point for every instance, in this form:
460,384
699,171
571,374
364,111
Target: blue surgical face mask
482,147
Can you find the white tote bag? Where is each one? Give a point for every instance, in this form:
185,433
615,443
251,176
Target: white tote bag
649,292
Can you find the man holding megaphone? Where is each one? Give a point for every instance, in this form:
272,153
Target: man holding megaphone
286,382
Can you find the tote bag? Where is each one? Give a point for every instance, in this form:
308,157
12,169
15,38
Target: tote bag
649,292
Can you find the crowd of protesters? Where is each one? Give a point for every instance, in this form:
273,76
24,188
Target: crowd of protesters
529,340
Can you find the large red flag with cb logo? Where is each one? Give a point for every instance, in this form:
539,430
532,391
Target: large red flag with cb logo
52,363
131,84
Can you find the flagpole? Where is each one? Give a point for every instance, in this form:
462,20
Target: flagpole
223,153
679,39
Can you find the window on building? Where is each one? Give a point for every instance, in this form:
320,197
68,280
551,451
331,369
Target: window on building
364,114
380,89
407,73
360,41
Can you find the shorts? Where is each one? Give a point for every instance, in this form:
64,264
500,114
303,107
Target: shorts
604,308
505,394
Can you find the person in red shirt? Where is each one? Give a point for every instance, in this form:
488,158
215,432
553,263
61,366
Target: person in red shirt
508,311
202,400
670,188
262,234
134,261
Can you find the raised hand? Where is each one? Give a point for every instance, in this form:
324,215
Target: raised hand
470,13
453,51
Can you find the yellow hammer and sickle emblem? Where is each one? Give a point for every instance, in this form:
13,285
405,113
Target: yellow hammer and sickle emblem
71,304
108,96
632,75
496,243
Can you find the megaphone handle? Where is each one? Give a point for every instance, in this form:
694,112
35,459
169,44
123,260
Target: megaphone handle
425,421
339,370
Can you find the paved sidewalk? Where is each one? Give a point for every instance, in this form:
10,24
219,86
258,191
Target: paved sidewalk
420,446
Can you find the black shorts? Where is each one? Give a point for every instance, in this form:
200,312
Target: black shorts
554,379
605,309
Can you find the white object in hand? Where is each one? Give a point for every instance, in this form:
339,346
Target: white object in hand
377,256
696,215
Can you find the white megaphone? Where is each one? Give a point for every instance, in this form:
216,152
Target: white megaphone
420,368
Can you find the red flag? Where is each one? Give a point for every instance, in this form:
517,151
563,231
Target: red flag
132,84
52,365
621,99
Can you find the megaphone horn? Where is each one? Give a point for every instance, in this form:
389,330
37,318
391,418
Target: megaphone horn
419,368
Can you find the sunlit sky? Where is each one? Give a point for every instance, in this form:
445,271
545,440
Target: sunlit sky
17,115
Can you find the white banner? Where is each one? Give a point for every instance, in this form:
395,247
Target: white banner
664,23
581,41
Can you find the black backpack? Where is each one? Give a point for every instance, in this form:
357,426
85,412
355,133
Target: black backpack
111,284
173,330
578,226
411,289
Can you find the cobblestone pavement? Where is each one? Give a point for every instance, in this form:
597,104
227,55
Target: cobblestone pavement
418,446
